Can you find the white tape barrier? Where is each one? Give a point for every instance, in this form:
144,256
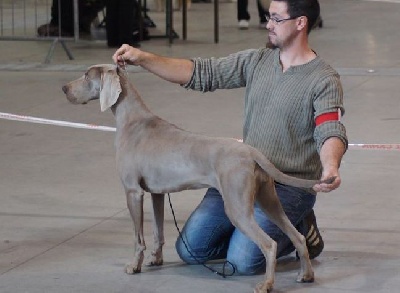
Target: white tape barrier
8,116
379,147
30,119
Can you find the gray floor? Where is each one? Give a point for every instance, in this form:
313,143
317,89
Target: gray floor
64,225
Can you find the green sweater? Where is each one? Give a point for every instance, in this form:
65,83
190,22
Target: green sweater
280,107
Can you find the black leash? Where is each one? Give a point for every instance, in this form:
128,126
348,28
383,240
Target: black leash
223,274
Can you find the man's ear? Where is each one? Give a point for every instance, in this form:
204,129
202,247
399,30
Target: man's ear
302,22
110,88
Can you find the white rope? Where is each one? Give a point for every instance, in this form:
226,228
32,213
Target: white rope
8,116
30,119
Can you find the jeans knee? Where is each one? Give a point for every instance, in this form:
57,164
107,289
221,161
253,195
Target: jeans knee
183,252
247,267
187,254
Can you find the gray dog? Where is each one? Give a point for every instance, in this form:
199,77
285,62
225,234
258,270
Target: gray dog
155,156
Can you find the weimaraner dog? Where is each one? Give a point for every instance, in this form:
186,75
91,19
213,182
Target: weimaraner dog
155,156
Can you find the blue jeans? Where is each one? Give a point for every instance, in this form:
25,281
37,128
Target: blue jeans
210,235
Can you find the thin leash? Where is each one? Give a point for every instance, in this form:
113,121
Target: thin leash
223,273
124,66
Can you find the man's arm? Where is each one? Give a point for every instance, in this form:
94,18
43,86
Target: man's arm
171,69
331,155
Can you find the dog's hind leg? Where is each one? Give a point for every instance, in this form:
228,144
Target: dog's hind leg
269,202
156,256
134,199
239,195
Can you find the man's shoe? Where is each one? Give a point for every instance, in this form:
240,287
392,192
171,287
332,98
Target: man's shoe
243,24
51,30
47,30
314,241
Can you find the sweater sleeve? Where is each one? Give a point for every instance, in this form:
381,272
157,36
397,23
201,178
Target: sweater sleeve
228,72
328,97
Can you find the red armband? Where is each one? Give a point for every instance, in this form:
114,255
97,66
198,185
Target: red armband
331,116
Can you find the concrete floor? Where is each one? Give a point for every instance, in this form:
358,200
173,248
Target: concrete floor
64,225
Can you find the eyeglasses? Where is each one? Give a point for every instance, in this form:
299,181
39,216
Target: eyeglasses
277,20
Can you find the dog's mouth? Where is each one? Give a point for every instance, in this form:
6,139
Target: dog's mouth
72,100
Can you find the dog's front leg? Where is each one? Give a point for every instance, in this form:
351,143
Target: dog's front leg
135,205
156,256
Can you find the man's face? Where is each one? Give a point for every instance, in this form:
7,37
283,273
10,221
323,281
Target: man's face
281,29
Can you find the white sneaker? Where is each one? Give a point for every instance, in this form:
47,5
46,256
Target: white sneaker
243,24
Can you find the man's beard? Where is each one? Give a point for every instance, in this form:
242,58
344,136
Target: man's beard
270,45
279,43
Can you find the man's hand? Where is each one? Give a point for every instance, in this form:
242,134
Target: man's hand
174,70
325,187
127,55
331,155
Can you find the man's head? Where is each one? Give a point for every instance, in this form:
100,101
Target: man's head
307,8
289,18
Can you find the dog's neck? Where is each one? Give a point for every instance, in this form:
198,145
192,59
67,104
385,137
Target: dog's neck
130,106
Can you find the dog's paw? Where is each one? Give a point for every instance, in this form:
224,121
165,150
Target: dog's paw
263,287
301,278
154,259
131,269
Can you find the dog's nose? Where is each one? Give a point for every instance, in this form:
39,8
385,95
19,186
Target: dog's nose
65,89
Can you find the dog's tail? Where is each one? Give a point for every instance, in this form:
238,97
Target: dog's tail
280,177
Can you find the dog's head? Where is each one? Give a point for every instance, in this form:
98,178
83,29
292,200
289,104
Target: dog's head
99,82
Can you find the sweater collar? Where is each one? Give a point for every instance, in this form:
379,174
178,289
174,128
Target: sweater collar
295,68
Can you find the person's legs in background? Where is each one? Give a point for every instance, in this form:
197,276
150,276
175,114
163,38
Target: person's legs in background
126,21
112,23
62,16
262,8
54,13
120,21
88,11
243,15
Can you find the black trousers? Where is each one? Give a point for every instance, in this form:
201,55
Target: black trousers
243,13
64,14
122,19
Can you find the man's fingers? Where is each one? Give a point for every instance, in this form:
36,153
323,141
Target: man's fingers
328,185
330,180
118,55
321,188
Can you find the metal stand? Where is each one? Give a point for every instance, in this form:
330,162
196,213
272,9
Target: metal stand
52,47
169,26
50,53
216,21
170,32
184,19
150,22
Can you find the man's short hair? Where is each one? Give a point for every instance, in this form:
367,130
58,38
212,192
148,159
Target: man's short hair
308,8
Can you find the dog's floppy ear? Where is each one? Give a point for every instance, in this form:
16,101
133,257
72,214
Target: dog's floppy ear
110,87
